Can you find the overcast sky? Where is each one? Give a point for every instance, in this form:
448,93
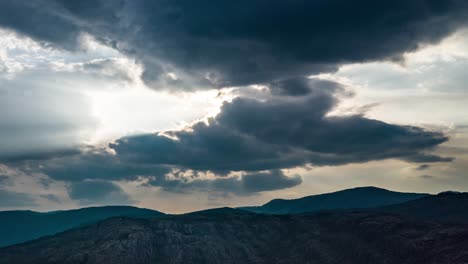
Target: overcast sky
182,105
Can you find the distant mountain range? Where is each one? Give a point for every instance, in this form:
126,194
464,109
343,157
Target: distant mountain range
21,226
356,198
360,225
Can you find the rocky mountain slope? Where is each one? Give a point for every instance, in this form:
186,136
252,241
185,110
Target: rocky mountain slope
235,236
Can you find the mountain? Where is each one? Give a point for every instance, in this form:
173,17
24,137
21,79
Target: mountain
20,226
449,207
356,198
235,236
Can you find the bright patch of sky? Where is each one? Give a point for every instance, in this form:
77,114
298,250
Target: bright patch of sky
429,87
92,95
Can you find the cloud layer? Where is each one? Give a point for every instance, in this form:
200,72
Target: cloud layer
185,44
280,132
256,138
98,192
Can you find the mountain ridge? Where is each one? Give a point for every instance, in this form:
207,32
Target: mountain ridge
18,226
24,225
353,198
449,207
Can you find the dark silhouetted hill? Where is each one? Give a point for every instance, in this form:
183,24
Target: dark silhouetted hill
20,226
357,198
233,236
447,207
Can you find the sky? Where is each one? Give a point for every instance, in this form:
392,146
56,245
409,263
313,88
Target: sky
183,105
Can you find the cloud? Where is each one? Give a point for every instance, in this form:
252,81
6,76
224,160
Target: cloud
221,44
426,176
47,106
4,180
51,197
97,192
273,180
98,164
25,154
39,19
11,199
423,167
87,169
118,70
242,149
189,45
302,86
422,158
245,185
250,134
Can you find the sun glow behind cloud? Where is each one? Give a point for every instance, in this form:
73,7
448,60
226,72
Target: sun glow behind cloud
140,110
110,83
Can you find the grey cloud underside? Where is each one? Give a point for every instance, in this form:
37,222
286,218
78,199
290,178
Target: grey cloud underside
97,192
222,43
248,184
281,132
100,165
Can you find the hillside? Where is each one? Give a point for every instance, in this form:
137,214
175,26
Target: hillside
357,198
20,226
231,236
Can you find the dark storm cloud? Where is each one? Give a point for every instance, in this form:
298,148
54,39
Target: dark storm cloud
225,43
244,42
37,155
98,164
41,20
301,86
281,132
97,192
274,180
10,199
248,184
